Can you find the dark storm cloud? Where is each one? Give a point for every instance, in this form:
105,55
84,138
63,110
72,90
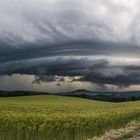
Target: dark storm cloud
97,71
104,73
50,38
71,48
57,27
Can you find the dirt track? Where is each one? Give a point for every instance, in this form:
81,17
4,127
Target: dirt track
136,136
131,132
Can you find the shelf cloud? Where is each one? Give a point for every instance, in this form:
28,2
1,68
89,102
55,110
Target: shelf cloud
96,40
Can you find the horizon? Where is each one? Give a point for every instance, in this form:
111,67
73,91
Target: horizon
77,90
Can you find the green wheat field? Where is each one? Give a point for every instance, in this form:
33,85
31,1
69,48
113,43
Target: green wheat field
62,118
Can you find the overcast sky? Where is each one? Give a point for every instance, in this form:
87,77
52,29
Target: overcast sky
62,45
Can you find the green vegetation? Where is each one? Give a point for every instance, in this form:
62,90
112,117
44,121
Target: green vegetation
61,118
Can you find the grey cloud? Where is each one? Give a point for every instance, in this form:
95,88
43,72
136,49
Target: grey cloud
59,20
43,78
32,25
101,71
72,48
120,75
41,38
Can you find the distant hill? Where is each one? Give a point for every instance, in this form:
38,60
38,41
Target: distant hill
105,96
81,93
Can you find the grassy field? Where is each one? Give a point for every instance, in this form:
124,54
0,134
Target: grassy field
61,118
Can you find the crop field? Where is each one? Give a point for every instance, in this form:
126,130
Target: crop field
61,118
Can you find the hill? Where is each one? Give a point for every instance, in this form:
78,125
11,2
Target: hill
93,95
105,96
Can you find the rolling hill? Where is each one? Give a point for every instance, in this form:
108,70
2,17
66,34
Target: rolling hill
94,95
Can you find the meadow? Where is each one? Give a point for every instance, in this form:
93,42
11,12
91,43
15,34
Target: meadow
62,118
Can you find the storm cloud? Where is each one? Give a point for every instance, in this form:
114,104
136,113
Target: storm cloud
89,69
96,40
